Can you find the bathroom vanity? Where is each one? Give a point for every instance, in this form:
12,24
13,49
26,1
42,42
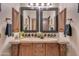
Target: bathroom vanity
38,47
46,21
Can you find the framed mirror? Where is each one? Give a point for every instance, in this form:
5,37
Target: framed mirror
49,20
29,19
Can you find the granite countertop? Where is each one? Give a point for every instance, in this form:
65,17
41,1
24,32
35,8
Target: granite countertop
38,40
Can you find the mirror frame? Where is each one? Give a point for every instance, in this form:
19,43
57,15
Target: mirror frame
21,18
41,19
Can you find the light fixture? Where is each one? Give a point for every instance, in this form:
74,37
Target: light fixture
45,4
29,4
50,4
34,4
40,4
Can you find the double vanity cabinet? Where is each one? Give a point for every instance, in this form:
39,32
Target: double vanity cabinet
38,49
45,20
32,46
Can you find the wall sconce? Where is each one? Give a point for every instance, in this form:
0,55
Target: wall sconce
39,4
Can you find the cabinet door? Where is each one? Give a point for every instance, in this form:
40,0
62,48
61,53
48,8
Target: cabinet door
39,49
25,49
15,50
15,20
63,49
62,20
52,49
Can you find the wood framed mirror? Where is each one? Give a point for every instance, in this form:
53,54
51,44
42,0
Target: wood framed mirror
29,19
49,20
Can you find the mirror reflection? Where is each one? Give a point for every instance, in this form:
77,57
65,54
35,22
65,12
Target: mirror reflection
29,20
32,17
48,20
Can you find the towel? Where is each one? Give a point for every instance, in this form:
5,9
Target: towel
68,30
8,30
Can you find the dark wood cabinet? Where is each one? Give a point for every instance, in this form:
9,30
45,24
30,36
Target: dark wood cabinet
52,49
38,49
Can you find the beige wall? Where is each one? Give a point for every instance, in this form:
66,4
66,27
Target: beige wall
72,12
6,11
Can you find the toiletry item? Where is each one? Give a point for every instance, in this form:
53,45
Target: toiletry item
35,35
48,35
15,35
54,35
38,34
29,35
44,35
21,35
